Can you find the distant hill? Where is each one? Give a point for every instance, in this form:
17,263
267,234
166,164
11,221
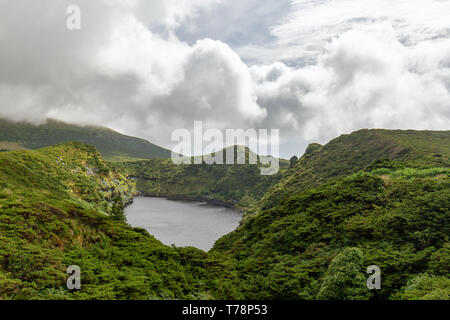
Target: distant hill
243,185
230,185
111,144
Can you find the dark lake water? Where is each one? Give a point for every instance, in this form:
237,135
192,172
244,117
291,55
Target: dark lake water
182,223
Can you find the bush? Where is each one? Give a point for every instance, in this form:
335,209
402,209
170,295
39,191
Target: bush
345,279
118,210
426,287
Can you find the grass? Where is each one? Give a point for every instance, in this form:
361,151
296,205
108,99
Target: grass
412,172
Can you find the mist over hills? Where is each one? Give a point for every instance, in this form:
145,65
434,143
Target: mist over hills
345,91
111,144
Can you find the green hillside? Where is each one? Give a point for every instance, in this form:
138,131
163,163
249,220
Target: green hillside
399,222
54,212
111,144
362,150
374,197
230,185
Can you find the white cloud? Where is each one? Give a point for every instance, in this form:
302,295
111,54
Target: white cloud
329,67
365,79
312,23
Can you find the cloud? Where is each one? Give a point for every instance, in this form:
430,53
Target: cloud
170,13
237,23
313,23
366,79
148,67
117,72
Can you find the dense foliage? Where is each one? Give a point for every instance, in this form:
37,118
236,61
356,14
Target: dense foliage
344,279
374,197
360,150
54,212
400,223
231,185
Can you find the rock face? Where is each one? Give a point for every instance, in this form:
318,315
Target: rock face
293,162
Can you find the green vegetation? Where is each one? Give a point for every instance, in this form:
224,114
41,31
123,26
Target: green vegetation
375,197
345,279
399,224
426,287
232,185
54,212
10,146
362,150
111,144
412,173
397,214
118,210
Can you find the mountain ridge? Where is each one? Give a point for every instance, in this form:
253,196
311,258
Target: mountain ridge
113,145
359,150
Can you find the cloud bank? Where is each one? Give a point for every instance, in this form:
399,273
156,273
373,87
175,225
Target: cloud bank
313,69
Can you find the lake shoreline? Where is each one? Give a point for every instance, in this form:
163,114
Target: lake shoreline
213,202
182,223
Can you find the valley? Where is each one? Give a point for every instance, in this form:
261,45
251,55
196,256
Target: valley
374,197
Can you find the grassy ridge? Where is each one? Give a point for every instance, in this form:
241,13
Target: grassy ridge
66,171
10,146
54,206
362,150
111,144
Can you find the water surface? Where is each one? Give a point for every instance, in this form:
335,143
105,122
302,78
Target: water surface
182,223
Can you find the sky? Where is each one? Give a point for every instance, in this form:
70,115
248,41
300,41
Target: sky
314,69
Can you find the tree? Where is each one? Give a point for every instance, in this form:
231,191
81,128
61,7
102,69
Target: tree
118,210
345,279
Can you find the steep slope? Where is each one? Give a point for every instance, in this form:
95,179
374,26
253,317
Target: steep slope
399,221
374,197
54,206
66,171
361,150
111,144
240,185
